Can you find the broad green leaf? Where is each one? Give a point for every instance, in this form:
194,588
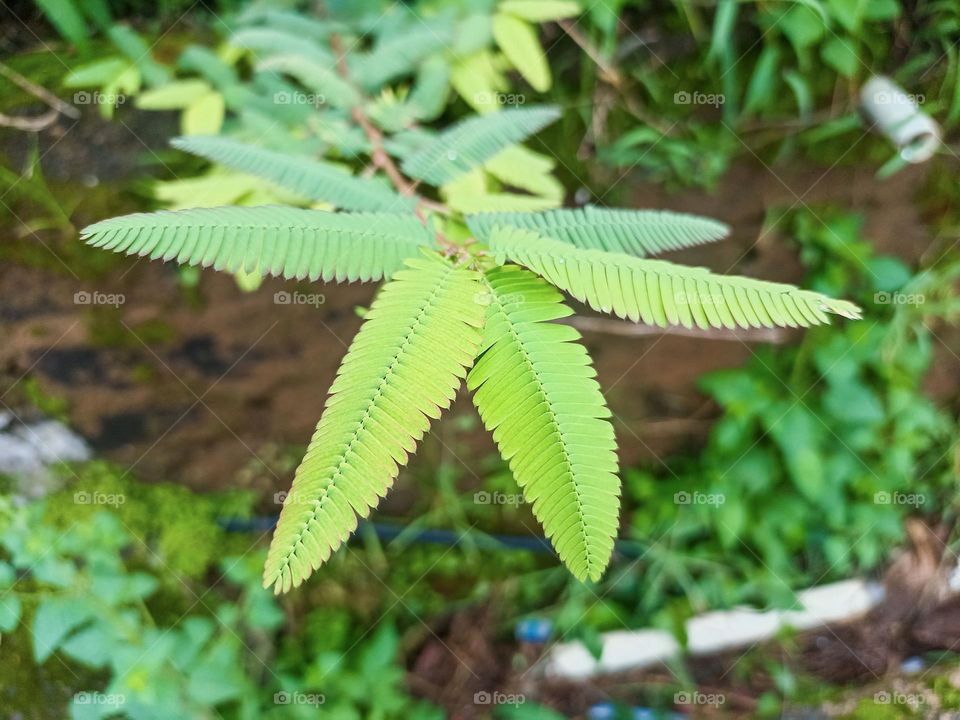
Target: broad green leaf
518,41
175,96
204,116
540,10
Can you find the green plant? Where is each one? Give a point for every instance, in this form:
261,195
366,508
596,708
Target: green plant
82,612
460,289
819,454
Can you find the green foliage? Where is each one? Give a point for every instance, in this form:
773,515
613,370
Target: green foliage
91,607
402,369
661,293
473,141
179,529
282,241
306,177
635,232
820,453
306,98
534,388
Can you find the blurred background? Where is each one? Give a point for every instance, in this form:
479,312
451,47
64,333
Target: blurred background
151,416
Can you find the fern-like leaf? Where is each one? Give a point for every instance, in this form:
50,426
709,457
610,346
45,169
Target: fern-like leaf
535,391
635,232
473,141
661,293
308,178
270,240
402,369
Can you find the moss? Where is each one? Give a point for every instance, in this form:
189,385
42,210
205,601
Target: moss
179,530
51,405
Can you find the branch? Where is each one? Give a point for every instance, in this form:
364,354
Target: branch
610,74
776,336
381,158
38,122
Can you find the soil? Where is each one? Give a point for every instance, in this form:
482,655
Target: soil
195,385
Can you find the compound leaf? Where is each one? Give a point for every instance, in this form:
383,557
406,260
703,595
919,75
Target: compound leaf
535,391
402,369
471,142
270,240
308,178
661,293
635,232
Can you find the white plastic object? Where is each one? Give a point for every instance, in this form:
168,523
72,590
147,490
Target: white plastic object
898,116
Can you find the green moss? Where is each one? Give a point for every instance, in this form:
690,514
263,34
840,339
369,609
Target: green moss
177,529
51,405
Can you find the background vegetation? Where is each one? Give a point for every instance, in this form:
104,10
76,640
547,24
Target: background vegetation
132,586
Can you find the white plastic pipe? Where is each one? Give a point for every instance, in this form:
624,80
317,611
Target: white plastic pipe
898,116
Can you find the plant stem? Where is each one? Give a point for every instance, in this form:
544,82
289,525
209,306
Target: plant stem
381,158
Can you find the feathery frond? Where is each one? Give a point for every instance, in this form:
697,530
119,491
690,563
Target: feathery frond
535,390
402,369
271,240
661,293
308,178
635,232
473,141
